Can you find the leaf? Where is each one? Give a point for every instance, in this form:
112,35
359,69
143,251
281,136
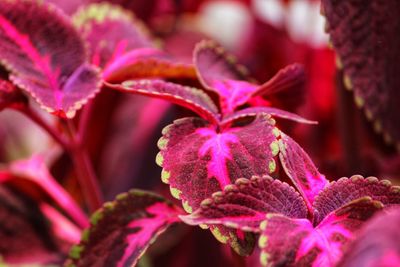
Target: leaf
289,77
300,169
188,97
35,172
274,112
10,96
338,193
296,242
111,31
122,230
377,243
122,46
26,235
198,160
46,56
245,204
367,43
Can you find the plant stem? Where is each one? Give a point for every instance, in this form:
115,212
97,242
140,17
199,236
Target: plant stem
84,121
85,172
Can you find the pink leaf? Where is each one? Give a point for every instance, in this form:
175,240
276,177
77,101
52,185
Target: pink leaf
122,230
245,204
296,242
367,43
289,77
46,56
191,98
345,190
274,112
377,243
198,160
300,169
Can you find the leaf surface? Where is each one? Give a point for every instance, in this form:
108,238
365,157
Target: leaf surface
198,161
122,230
296,242
46,56
377,243
245,204
366,37
188,97
300,169
10,96
338,193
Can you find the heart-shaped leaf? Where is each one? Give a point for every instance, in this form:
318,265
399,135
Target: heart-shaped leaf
377,243
122,230
198,160
366,37
245,204
300,169
296,242
274,112
121,45
191,98
46,56
345,190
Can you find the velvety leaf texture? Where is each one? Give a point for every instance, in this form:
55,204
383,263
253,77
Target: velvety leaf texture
300,169
295,242
274,112
198,161
367,43
122,230
345,190
245,204
191,98
377,243
46,56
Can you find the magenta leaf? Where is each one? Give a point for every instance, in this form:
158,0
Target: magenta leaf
345,190
289,77
10,95
121,45
300,169
274,112
122,230
191,98
35,171
367,45
198,161
377,243
296,242
26,235
245,204
46,56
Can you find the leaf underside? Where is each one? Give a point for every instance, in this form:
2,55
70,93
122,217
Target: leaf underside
245,204
122,230
191,98
288,242
46,56
10,96
367,43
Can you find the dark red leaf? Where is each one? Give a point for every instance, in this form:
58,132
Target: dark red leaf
245,204
377,243
10,95
46,56
345,190
198,160
300,169
366,37
191,98
289,77
122,230
296,242
274,112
